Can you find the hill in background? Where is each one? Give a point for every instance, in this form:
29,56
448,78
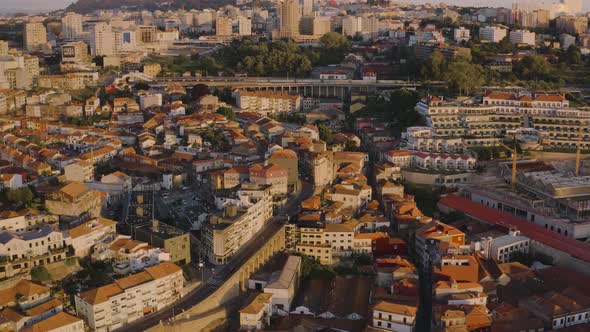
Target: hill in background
88,6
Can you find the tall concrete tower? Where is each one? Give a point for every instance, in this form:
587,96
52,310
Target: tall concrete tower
306,7
289,17
575,6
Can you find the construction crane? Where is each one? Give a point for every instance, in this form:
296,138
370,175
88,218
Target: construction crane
514,159
579,150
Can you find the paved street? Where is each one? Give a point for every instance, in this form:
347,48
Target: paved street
223,272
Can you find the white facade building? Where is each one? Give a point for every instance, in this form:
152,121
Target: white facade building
128,299
520,37
461,34
492,34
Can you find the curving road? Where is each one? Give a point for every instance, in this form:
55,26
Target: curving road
223,272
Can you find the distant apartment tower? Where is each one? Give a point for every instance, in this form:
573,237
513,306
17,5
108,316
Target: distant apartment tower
35,36
306,7
244,26
572,24
102,40
352,25
566,40
461,34
72,26
3,47
148,34
575,6
289,17
492,34
321,25
522,37
369,26
223,26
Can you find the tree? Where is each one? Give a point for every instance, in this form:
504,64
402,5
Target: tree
333,41
227,112
464,77
533,67
21,196
325,133
573,56
40,274
433,67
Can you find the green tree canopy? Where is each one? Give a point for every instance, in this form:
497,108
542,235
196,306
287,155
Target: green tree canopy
433,67
463,76
333,41
533,67
227,112
325,133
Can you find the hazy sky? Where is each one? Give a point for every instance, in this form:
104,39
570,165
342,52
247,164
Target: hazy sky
41,5
32,5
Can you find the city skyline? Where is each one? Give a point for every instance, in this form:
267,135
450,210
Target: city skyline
386,167
39,6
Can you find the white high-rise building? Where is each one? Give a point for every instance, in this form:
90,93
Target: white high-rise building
352,25
35,36
306,7
461,34
575,6
244,26
102,40
72,26
492,34
321,25
289,17
522,37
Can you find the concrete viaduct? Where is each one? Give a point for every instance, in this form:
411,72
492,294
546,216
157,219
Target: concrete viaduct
305,87
215,307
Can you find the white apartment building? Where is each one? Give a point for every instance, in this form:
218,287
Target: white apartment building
36,242
352,25
461,34
501,248
102,39
128,299
227,231
244,26
72,26
394,317
424,139
34,35
267,101
79,171
522,37
88,234
256,315
482,124
24,220
492,34
321,25
128,256
150,100
442,161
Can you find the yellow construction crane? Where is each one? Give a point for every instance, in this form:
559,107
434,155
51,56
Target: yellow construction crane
514,159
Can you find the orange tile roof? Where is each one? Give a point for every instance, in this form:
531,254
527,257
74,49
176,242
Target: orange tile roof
53,323
101,294
396,308
162,270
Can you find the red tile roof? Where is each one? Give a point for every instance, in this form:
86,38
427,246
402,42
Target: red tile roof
537,233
